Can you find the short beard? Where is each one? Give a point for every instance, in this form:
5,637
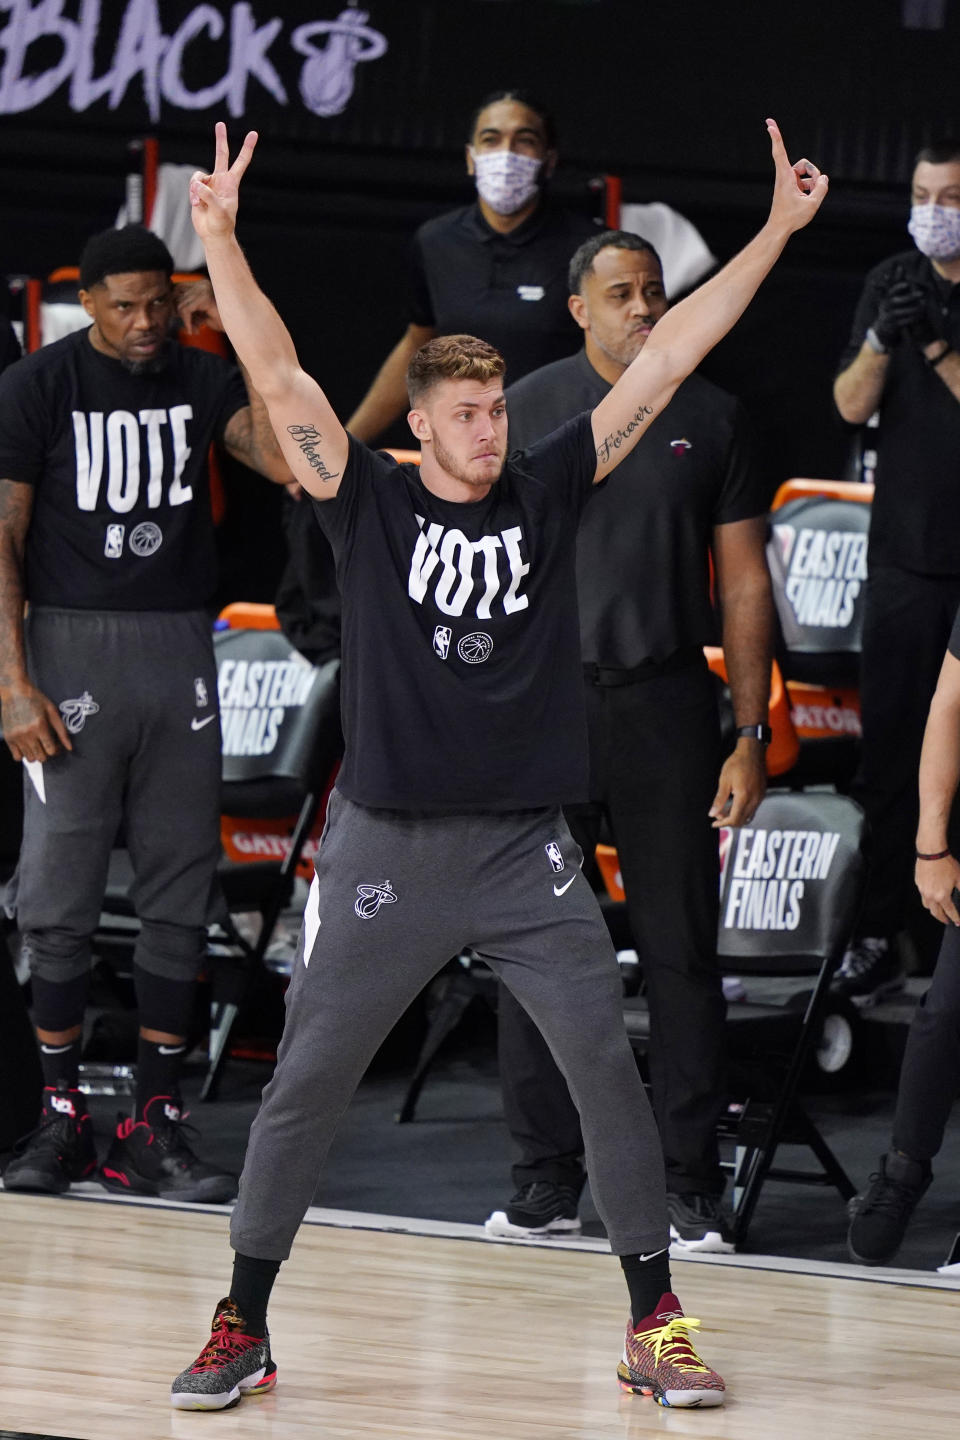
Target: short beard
159,362
452,467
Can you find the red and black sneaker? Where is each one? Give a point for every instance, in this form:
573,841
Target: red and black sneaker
151,1157
230,1365
659,1359
59,1151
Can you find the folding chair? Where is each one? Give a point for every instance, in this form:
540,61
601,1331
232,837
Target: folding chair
817,558
792,883
280,718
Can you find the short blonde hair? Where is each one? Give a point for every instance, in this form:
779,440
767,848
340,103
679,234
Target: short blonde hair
452,357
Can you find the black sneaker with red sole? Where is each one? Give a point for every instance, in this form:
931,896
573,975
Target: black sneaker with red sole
59,1151
152,1157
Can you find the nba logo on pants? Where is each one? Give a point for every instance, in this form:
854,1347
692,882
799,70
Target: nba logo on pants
554,856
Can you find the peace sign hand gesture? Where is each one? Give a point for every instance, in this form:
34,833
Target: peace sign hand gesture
214,198
798,190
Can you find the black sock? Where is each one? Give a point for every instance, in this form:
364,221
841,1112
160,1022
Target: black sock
250,1289
158,1072
60,1064
647,1277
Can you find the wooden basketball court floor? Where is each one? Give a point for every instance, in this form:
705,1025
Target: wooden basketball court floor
444,1335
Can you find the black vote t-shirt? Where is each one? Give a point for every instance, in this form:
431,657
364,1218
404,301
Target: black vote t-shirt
461,683
510,290
642,551
121,511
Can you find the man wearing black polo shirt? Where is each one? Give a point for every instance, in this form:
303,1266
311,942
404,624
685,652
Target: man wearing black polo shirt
109,690
464,724
497,268
643,555
903,362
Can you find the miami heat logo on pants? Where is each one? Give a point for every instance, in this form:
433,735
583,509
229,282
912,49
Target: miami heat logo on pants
371,897
75,712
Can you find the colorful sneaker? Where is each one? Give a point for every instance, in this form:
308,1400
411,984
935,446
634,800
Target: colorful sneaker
151,1157
59,1151
870,969
698,1223
879,1218
539,1208
659,1360
231,1364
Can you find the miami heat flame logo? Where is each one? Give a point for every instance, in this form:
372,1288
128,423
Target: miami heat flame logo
75,712
371,897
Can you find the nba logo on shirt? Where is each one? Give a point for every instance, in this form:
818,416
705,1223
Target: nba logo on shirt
554,856
113,545
441,640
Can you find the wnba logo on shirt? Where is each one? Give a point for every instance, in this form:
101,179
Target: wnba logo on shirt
445,559
371,897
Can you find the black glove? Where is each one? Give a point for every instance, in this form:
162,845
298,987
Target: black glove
901,312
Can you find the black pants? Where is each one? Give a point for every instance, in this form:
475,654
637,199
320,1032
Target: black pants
654,758
930,1077
906,626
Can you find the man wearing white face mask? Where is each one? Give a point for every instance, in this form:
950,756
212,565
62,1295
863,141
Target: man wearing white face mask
496,268
903,362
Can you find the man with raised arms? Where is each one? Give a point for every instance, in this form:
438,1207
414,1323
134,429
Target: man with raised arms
464,723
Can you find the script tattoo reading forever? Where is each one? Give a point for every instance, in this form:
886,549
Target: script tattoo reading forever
307,438
609,443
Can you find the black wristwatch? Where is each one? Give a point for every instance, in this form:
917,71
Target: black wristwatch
763,733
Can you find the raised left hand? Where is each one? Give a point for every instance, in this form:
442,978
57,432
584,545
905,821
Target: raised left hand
799,189
742,785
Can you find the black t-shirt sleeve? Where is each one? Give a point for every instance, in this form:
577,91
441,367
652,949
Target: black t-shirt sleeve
953,645
338,516
23,427
235,398
419,303
744,493
566,459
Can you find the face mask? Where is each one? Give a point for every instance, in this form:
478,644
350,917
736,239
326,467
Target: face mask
936,231
506,181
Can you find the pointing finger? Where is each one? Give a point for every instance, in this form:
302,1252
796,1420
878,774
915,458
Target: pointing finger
777,146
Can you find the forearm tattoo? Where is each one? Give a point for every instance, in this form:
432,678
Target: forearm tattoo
16,502
609,443
307,438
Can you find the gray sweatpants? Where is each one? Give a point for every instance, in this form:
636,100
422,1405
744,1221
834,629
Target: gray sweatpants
138,695
394,896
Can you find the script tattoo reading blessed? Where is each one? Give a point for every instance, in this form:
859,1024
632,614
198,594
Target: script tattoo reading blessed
307,438
609,443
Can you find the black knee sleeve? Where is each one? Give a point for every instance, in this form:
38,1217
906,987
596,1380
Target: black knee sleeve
162,1004
172,952
59,1004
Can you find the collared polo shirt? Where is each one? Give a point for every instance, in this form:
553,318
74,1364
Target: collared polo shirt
510,290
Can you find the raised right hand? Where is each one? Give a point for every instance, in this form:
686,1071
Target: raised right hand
32,725
214,198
